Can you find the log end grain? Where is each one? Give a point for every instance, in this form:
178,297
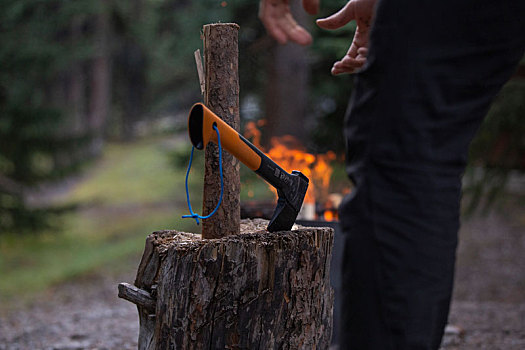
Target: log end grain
221,25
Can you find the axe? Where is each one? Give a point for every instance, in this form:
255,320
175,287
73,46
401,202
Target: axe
291,188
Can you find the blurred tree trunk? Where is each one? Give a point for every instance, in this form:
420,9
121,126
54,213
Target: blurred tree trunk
70,95
132,62
286,89
133,103
76,101
100,84
67,92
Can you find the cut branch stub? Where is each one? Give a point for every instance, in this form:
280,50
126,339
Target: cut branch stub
137,296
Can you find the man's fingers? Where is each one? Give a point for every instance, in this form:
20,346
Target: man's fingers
284,30
338,19
359,42
360,38
339,70
362,51
280,24
294,31
363,13
300,36
348,65
352,51
353,62
273,29
355,57
311,6
277,34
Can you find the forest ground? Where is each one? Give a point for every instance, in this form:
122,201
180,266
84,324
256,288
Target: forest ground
83,311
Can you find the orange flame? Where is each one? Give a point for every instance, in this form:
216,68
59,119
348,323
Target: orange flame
321,174
252,132
329,215
290,154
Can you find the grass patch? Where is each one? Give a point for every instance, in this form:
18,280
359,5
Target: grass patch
131,173
132,191
32,263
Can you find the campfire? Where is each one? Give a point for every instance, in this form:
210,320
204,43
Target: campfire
287,151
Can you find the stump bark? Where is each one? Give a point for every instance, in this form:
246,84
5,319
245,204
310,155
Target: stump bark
255,290
221,57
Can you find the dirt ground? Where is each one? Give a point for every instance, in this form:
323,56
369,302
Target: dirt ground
489,296
488,310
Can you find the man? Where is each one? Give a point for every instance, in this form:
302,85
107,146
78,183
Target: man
424,82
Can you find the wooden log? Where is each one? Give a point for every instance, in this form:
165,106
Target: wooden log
256,290
222,97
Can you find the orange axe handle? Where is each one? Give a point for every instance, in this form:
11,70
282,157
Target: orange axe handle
291,188
200,126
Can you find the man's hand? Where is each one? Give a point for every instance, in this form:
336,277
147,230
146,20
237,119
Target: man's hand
278,20
363,12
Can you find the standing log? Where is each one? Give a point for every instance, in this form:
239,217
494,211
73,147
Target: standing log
256,290
222,97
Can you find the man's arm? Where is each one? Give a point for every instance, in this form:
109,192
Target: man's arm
277,18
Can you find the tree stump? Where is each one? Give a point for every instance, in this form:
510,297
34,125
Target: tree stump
255,290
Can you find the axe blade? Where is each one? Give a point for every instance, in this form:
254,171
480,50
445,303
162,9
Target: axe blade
289,203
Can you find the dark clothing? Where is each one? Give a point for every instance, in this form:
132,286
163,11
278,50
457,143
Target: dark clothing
433,69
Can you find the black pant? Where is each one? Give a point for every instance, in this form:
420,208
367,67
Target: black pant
433,69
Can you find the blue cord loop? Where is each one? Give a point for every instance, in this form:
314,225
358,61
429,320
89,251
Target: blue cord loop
195,215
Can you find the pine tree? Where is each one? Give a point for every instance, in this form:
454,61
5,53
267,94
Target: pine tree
44,132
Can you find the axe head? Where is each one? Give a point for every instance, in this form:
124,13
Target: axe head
289,202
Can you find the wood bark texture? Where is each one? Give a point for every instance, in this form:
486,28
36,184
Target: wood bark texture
222,97
256,290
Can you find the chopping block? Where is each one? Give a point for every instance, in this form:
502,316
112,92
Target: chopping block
255,290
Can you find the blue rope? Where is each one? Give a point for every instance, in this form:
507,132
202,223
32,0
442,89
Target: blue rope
195,215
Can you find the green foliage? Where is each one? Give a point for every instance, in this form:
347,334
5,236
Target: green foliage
117,213
500,141
35,51
499,147
173,36
137,174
